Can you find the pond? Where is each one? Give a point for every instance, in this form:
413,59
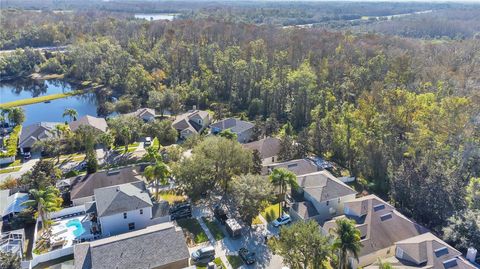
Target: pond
156,16
84,104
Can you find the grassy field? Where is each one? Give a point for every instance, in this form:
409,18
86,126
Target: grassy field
171,197
217,261
34,100
194,230
131,148
214,229
235,261
9,170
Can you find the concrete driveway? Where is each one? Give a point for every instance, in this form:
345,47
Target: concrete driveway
251,238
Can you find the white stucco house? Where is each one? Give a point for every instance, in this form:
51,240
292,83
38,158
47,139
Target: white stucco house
127,207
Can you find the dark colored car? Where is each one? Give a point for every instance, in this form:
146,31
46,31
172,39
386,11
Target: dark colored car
247,256
181,211
220,214
27,155
180,207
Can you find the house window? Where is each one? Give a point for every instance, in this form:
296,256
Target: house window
124,215
328,202
131,226
141,211
273,159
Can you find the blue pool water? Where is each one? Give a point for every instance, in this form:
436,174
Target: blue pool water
78,225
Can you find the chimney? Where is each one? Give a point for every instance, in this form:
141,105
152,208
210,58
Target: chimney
471,254
194,107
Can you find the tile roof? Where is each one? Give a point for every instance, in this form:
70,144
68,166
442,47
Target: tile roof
235,125
381,225
323,186
298,166
267,147
35,132
97,123
121,198
156,246
84,186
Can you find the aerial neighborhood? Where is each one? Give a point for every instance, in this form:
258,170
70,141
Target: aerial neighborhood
150,198
245,134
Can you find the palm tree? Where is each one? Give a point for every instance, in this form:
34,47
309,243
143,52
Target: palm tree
347,241
283,178
46,201
158,172
71,113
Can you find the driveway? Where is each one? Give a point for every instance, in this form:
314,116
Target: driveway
251,238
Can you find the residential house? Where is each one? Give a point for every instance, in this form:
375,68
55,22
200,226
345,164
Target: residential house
99,124
36,132
123,208
159,246
11,204
243,129
425,251
146,114
320,196
381,227
298,166
82,187
190,123
13,242
268,148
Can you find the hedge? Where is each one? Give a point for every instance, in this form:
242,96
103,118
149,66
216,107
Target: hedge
12,143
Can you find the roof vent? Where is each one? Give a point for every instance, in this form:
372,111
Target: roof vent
386,217
378,207
441,251
450,263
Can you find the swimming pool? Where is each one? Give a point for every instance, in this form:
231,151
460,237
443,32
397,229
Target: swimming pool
79,230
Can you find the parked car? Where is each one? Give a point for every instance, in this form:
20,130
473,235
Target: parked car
220,214
180,207
27,155
284,219
184,214
148,141
81,166
247,256
204,254
180,211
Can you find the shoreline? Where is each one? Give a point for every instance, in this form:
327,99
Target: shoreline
39,99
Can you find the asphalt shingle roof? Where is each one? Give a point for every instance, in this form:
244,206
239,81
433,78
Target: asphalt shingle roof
97,123
235,125
298,167
35,132
156,246
323,186
121,198
267,147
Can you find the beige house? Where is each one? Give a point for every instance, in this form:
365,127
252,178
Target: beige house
97,123
425,251
268,148
321,196
190,123
381,227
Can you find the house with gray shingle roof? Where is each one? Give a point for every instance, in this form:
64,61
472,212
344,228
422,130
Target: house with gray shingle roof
159,246
123,208
146,114
243,129
190,123
268,148
36,132
99,124
320,196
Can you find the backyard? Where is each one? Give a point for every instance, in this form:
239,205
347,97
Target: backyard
270,213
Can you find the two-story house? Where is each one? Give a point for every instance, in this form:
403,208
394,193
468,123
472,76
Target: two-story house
190,123
320,196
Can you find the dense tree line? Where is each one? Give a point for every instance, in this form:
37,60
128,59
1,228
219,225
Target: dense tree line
400,113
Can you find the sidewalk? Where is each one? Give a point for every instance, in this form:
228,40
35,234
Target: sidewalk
219,250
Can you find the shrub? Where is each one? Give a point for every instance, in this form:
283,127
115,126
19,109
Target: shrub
12,143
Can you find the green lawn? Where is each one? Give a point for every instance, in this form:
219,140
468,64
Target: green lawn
235,261
34,100
131,148
214,229
271,212
217,261
193,229
9,170
171,197
17,162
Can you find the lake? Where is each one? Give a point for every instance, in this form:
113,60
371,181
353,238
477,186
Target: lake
84,104
156,16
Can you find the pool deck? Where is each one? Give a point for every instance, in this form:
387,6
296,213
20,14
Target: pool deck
62,232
